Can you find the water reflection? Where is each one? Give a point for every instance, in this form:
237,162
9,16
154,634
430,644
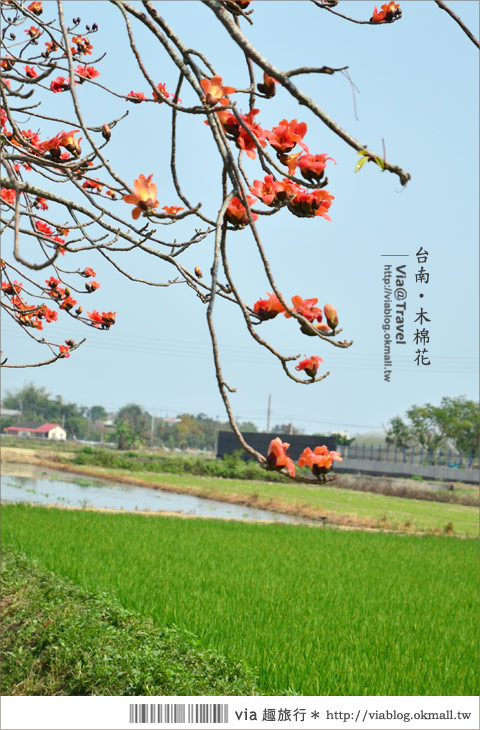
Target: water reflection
43,487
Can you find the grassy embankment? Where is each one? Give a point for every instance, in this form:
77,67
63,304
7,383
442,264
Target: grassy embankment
340,505
320,612
60,638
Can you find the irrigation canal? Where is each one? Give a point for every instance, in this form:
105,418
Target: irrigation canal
40,486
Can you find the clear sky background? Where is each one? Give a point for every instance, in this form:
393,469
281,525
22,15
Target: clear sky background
418,90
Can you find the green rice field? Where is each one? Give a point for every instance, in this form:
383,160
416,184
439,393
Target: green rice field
313,611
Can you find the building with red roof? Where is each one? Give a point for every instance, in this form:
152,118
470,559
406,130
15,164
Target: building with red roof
40,431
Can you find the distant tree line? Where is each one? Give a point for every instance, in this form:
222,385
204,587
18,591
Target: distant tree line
455,422
131,427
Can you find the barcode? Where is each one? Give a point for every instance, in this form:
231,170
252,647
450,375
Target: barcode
176,713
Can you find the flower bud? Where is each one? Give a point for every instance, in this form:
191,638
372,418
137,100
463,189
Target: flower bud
198,272
331,316
106,133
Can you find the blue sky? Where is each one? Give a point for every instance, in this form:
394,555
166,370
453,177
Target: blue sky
418,90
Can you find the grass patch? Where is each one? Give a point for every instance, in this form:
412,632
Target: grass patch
59,638
316,612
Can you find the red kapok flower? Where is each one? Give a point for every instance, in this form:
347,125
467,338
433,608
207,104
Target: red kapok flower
312,167
69,141
60,84
306,308
64,351
50,315
236,213
87,72
92,286
8,288
310,366
35,8
43,228
244,138
83,45
52,282
172,209
145,196
320,460
387,14
284,137
268,308
40,203
214,91
267,190
88,272
33,32
8,195
93,185
268,86
30,72
308,205
277,457
68,303
161,93
136,97
331,315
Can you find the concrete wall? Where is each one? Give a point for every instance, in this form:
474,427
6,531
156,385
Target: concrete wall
398,469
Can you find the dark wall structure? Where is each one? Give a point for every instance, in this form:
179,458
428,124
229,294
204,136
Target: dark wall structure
227,443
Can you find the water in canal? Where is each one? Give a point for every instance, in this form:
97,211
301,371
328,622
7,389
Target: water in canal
41,486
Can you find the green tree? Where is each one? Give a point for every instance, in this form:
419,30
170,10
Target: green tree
125,436
136,418
455,420
97,413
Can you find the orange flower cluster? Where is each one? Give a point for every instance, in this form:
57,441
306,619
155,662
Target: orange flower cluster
320,460
269,308
29,315
104,320
236,213
298,200
310,366
387,13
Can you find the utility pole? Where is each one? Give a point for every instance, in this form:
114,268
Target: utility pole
152,428
269,410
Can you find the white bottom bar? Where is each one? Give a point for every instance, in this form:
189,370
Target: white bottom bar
254,713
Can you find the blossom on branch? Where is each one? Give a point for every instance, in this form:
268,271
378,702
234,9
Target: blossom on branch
288,134
268,308
136,97
8,195
87,72
60,84
320,460
30,72
214,91
268,86
309,205
277,457
172,209
306,308
310,366
267,190
236,213
387,14
104,320
64,351
35,8
145,196
312,167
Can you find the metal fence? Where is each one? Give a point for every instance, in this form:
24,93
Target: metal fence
415,455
